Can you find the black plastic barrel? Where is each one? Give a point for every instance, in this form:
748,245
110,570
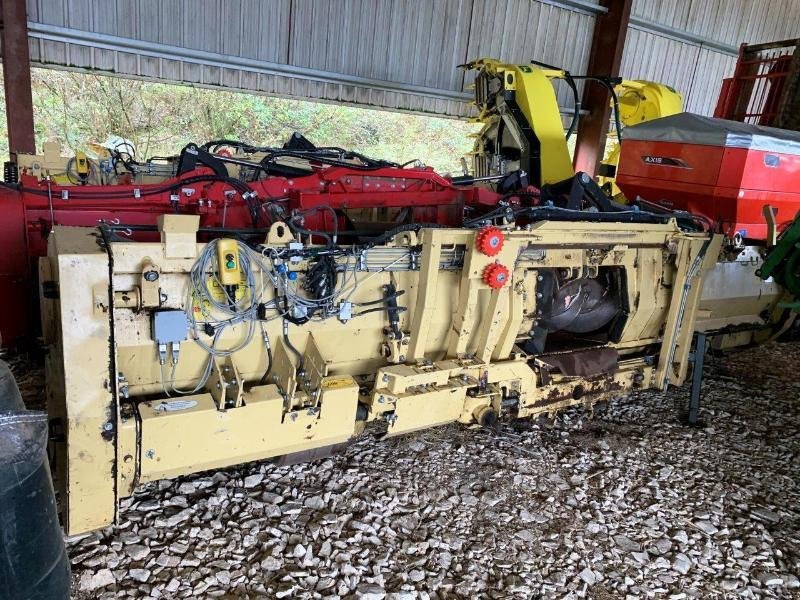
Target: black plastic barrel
33,558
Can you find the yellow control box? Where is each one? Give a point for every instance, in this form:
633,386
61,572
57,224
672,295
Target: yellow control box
228,262
81,164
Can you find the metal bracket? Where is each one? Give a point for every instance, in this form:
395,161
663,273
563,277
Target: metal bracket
697,358
226,384
772,226
316,369
150,285
284,370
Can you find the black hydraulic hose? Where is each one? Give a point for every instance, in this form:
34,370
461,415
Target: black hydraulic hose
617,121
497,213
577,105
502,208
281,170
704,222
554,213
604,81
286,315
134,167
576,111
265,377
379,309
295,228
317,153
321,278
383,300
214,145
379,162
322,150
326,208
371,164
609,84
615,100
389,234
408,162
290,346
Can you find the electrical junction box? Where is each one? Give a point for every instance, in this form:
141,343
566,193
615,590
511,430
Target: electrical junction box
169,326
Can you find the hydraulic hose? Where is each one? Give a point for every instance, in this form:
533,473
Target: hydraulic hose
576,111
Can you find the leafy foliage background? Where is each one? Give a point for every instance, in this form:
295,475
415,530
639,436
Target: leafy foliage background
75,108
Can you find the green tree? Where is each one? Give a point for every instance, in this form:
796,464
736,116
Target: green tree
76,108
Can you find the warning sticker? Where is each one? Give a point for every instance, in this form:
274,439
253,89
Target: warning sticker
331,383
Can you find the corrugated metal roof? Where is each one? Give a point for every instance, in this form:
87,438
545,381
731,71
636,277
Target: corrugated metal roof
517,32
728,22
397,54
694,64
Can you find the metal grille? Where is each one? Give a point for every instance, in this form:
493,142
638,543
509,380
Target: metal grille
763,84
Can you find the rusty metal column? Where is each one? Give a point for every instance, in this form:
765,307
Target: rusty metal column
605,58
17,77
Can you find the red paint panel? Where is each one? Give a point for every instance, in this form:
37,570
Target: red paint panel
729,186
29,214
15,299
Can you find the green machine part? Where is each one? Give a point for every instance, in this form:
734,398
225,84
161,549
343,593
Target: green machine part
782,263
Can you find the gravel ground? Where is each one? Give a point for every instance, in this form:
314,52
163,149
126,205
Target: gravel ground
628,505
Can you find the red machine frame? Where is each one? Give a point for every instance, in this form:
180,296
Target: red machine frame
32,207
763,89
727,172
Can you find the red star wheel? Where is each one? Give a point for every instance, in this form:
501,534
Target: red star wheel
489,241
495,276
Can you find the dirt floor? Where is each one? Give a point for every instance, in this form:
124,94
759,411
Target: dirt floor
631,504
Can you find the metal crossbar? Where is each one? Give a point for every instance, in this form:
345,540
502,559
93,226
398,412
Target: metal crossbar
764,85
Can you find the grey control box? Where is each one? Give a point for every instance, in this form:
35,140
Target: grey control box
170,326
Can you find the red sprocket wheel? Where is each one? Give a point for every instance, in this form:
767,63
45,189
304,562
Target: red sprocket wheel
495,276
489,241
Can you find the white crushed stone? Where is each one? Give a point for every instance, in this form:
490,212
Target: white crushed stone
629,505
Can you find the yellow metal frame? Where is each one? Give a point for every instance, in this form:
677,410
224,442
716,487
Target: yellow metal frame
536,99
639,101
458,358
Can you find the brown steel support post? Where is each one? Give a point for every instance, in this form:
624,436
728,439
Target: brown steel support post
17,77
608,42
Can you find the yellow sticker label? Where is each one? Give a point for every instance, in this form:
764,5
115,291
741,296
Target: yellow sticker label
332,383
219,294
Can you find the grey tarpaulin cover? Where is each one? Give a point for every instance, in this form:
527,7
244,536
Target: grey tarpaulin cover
689,128
33,558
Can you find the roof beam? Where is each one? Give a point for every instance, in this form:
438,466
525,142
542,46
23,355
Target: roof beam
213,59
17,78
605,58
